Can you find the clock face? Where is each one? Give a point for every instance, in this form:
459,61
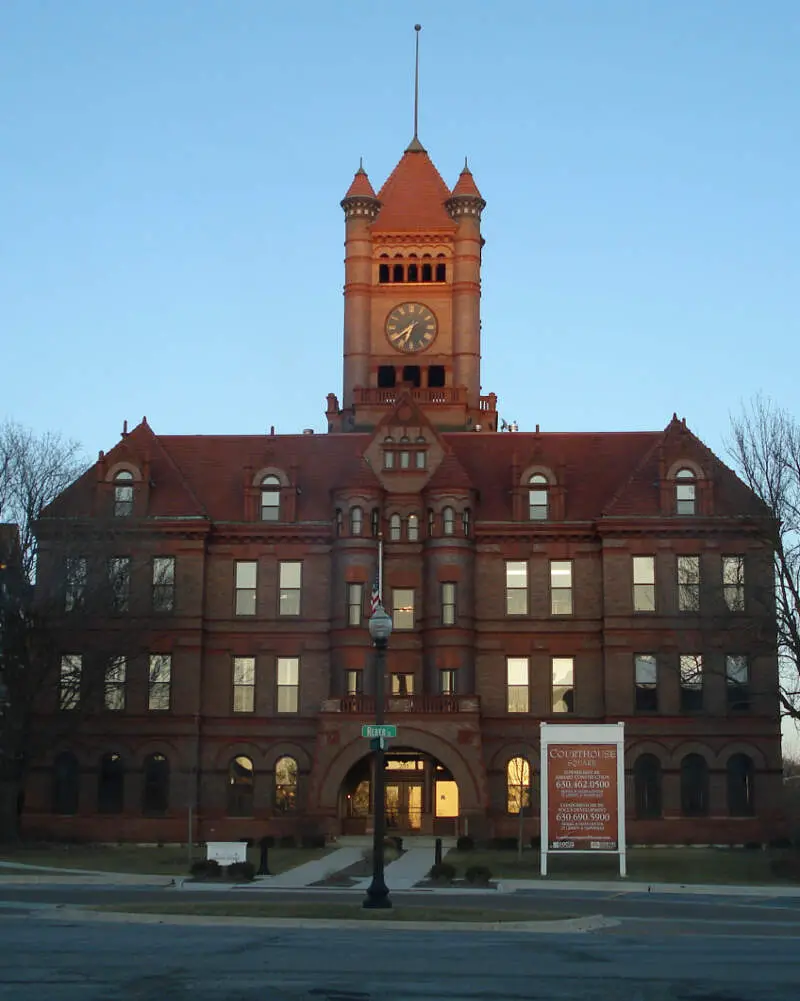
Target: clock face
411,327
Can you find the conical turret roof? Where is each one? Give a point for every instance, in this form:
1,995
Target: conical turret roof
413,197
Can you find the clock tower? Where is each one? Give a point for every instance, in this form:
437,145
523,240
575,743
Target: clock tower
412,299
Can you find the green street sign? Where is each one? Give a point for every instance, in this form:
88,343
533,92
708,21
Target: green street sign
378,730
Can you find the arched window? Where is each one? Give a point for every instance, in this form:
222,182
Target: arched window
448,521
356,520
431,522
66,783
412,272
518,785
441,269
740,786
270,499
155,784
538,497
427,272
394,528
685,492
647,786
465,522
694,786
397,273
375,522
285,785
383,273
123,494
413,528
339,521
111,784
240,787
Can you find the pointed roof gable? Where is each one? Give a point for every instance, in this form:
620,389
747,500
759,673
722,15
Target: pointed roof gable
450,475
465,185
413,197
360,185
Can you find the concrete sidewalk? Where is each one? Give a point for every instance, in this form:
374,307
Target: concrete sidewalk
404,873
623,886
312,872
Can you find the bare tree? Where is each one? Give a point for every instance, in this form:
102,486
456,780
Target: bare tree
765,447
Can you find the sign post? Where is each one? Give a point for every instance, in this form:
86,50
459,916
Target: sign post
583,790
375,730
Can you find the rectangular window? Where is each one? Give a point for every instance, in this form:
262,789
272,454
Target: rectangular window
448,604
163,583
291,582
516,588
69,688
119,579
561,587
646,673
246,576
733,582
354,682
737,678
447,682
288,684
403,608
114,695
402,684
244,684
689,583
691,682
76,574
563,685
355,604
644,583
160,682
518,685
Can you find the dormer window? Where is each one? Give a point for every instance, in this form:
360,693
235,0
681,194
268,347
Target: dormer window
123,494
448,521
388,458
538,497
685,492
413,528
270,498
356,520
405,454
395,526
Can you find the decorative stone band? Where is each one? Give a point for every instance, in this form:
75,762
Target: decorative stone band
360,205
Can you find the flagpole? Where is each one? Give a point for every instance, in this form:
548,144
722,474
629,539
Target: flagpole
380,569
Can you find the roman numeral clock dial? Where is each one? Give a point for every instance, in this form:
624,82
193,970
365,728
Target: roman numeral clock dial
411,327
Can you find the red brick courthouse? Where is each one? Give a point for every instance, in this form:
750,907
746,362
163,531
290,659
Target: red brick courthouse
594,577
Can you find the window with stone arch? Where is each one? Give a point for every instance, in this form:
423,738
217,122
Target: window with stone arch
395,528
285,785
241,785
518,785
111,784
448,521
740,774
356,520
66,784
538,497
686,491
412,528
694,786
155,784
647,786
270,498
123,494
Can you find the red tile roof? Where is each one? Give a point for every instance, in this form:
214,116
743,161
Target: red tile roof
360,185
413,198
465,185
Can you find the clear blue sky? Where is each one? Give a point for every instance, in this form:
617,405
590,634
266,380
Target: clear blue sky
171,237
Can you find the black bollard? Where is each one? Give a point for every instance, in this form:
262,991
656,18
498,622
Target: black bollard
437,852
263,864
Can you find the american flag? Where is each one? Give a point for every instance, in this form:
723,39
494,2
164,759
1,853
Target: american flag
375,599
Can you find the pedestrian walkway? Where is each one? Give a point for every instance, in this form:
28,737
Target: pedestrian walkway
313,872
404,873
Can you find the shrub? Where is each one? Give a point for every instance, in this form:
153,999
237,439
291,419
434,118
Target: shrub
313,841
465,844
752,846
478,874
206,868
390,852
287,841
397,842
781,843
443,872
242,872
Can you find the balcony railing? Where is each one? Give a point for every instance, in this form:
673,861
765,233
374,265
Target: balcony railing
364,705
367,397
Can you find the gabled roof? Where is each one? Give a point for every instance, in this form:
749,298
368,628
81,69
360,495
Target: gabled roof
413,197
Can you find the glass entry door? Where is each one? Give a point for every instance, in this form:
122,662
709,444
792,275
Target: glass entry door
403,804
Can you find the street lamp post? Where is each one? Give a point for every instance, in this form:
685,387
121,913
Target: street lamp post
380,629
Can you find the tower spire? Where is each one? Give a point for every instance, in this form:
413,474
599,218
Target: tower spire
415,146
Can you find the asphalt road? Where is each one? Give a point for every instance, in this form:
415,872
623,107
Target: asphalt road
73,960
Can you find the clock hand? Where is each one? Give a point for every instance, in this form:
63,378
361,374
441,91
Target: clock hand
406,333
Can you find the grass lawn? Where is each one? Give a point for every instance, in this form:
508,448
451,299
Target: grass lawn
152,861
332,911
646,865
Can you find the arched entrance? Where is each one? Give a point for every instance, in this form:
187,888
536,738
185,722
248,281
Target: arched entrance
422,797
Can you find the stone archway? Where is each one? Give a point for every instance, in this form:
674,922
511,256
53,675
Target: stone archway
331,779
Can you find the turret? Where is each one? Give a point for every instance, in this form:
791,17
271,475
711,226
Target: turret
360,206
